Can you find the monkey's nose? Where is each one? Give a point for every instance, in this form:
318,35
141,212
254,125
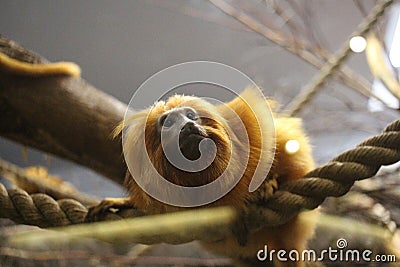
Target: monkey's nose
190,128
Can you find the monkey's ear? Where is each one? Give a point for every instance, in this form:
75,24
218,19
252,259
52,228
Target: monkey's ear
133,119
118,130
273,105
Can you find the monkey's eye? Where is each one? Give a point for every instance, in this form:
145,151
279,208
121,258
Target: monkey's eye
168,122
191,115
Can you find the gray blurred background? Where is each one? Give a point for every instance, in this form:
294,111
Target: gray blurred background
120,44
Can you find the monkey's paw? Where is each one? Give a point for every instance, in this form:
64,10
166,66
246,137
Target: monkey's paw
241,232
104,208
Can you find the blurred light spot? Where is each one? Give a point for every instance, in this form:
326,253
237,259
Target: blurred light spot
292,146
358,44
380,90
394,54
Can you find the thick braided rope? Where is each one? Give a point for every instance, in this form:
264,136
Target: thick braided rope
39,209
42,210
333,179
57,191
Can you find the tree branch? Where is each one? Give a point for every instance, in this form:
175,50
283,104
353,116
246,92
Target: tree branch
61,115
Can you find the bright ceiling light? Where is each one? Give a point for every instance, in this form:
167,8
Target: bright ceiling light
358,44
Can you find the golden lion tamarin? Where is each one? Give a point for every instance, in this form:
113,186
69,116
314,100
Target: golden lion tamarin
196,120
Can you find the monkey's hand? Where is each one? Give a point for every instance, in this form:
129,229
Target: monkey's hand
98,212
265,191
260,196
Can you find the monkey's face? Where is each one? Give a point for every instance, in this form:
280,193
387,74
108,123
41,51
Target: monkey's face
181,130
187,140
215,148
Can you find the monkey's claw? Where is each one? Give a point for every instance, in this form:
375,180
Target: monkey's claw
100,211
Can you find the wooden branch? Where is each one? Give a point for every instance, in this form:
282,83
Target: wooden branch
63,256
209,224
60,114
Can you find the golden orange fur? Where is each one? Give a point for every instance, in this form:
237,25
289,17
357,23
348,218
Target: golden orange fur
286,166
